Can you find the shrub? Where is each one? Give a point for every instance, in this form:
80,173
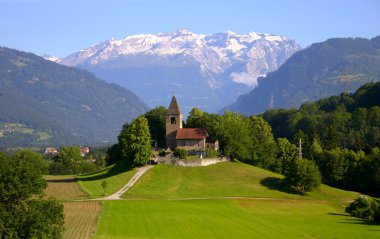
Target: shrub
303,175
180,153
365,207
161,153
212,153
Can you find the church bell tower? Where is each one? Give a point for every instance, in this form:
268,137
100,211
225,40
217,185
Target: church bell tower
173,123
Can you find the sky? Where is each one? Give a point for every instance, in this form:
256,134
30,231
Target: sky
62,27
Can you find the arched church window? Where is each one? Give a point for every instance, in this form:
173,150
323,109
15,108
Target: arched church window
173,120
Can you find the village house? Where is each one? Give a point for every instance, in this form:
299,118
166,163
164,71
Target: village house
191,139
51,151
84,150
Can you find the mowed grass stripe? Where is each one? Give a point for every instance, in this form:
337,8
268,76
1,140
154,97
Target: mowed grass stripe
63,187
238,218
81,219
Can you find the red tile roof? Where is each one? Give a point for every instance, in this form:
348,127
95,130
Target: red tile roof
191,133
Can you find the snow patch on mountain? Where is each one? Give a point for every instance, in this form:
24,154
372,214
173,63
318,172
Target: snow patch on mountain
52,58
220,66
214,52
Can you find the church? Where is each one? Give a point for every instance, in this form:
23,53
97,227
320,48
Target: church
191,139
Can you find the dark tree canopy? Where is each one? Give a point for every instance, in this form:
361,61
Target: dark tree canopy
303,175
22,213
156,120
135,142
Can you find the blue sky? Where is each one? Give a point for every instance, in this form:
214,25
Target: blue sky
61,27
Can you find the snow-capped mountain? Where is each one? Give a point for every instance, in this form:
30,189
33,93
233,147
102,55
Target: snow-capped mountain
205,70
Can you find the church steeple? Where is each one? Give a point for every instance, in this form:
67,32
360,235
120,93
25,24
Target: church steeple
173,107
173,123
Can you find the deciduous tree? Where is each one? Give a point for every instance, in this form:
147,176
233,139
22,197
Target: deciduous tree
22,213
134,141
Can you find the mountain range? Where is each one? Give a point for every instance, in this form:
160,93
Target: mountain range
55,104
319,71
207,71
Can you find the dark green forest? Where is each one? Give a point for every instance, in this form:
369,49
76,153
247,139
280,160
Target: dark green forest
341,134
68,105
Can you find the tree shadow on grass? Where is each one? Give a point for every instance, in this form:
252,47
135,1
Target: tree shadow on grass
118,168
274,183
358,221
62,180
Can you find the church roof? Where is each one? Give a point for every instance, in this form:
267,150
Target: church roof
173,107
191,133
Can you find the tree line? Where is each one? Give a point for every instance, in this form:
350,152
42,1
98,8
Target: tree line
341,134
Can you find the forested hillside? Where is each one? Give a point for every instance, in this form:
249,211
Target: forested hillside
341,134
55,104
322,70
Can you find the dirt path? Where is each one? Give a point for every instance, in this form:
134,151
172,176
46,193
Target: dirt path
117,195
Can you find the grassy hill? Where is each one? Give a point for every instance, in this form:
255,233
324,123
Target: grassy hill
116,176
229,179
227,200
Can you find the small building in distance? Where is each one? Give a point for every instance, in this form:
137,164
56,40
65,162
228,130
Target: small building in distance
191,139
51,151
83,151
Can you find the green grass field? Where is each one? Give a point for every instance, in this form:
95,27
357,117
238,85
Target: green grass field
116,176
243,218
228,179
190,202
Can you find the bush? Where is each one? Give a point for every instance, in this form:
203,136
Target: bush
365,207
303,175
212,153
180,153
162,153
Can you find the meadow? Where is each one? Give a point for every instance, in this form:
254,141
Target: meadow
233,218
116,176
227,179
227,200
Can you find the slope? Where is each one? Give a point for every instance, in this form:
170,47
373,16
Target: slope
179,202
116,176
68,104
322,70
229,179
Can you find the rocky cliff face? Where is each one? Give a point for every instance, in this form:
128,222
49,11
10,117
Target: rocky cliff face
202,70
